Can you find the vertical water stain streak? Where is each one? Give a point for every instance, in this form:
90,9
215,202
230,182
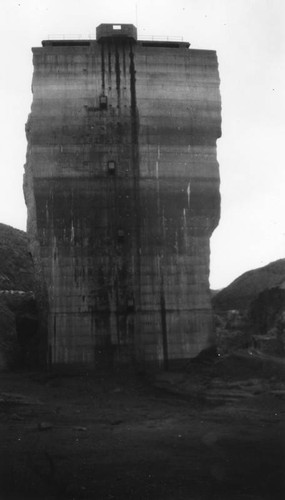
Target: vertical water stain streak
118,75
124,60
102,68
109,60
163,329
136,190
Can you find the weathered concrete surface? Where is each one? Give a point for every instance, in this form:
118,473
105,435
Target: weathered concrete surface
122,196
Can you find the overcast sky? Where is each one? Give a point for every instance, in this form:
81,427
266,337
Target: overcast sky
249,37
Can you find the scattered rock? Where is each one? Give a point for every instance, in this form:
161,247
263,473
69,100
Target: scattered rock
79,428
44,426
21,399
116,422
15,416
279,393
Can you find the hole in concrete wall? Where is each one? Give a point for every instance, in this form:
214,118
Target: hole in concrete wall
121,235
103,102
111,167
130,304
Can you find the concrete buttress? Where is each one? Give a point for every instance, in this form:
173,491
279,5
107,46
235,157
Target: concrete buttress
122,190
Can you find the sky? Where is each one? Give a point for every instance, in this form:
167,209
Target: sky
249,37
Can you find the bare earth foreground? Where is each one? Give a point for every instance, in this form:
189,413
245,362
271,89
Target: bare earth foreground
214,431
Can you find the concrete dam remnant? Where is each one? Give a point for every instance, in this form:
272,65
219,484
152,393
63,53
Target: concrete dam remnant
122,190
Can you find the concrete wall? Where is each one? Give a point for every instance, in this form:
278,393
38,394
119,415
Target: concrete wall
124,252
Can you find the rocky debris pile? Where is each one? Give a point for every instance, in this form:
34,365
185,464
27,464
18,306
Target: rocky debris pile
232,331
250,312
221,392
267,320
18,309
229,379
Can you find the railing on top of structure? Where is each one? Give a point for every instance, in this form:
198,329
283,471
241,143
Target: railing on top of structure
160,38
154,38
71,37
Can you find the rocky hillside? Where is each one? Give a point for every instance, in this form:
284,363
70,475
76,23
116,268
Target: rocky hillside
16,266
250,312
245,289
18,310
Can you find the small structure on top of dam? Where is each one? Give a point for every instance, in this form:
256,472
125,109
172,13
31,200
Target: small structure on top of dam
122,190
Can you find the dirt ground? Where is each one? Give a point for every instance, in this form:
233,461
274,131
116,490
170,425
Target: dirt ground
209,432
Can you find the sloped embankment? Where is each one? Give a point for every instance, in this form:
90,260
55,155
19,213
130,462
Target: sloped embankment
246,288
